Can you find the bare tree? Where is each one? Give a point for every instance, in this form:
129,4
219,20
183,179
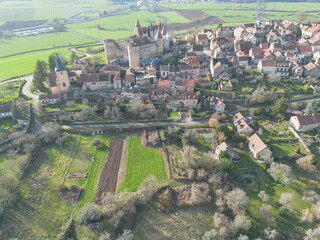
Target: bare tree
264,196
307,163
242,222
237,200
312,234
210,235
280,172
285,200
265,212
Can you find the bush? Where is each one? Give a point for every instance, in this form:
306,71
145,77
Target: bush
239,138
96,142
307,163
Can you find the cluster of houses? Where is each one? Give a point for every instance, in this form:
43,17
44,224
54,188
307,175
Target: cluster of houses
256,145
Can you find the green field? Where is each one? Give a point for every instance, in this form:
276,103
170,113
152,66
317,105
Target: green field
9,46
9,91
141,163
287,149
25,63
121,26
40,211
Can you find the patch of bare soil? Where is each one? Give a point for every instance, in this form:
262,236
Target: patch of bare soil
109,175
71,195
196,24
77,175
193,15
123,164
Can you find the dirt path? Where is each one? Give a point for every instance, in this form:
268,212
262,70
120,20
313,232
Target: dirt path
123,164
109,175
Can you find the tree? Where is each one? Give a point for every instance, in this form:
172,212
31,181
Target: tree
73,57
237,200
301,16
280,107
242,222
96,142
210,235
224,164
126,235
96,61
52,62
273,78
280,172
219,25
39,75
264,196
312,234
297,31
243,237
285,200
88,213
312,107
86,113
307,163
270,234
265,212
213,122
15,111
105,236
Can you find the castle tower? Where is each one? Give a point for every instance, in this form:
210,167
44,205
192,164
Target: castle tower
136,29
166,38
134,56
62,79
159,40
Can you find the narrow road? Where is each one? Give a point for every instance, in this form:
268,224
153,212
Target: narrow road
80,52
84,35
26,91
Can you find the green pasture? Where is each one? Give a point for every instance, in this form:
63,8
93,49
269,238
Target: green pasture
9,91
141,163
13,45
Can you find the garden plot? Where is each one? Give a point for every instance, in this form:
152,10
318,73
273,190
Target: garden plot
81,158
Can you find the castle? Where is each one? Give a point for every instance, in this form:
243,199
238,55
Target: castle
147,42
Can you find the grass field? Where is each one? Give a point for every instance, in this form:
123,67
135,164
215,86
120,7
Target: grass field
39,211
288,222
121,26
141,163
25,63
13,45
287,149
188,223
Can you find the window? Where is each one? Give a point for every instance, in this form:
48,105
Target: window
64,84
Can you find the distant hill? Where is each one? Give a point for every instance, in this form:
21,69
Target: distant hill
254,1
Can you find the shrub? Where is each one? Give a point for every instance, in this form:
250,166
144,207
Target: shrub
307,163
96,142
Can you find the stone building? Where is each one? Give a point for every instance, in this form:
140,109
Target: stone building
147,42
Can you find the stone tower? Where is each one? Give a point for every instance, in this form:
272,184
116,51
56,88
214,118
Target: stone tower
134,56
136,29
62,80
159,39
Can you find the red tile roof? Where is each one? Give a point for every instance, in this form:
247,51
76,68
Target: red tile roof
164,82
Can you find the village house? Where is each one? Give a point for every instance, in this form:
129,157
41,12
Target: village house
157,94
259,149
164,84
50,98
79,64
267,66
283,68
217,104
111,69
117,82
311,70
191,100
96,81
129,79
305,123
5,110
241,124
310,32
225,147
202,39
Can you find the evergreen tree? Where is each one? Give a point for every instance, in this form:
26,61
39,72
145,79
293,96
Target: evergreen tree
73,57
52,62
312,107
297,31
280,107
40,75
15,111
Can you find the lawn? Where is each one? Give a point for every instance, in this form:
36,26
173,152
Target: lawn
57,107
13,45
25,63
245,87
9,91
286,148
288,222
183,223
141,163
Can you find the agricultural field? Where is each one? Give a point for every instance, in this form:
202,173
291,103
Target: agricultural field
14,45
25,63
40,209
121,26
141,162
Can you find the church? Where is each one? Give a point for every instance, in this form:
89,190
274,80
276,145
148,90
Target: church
146,43
59,80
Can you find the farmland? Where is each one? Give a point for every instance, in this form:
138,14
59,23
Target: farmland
141,163
40,210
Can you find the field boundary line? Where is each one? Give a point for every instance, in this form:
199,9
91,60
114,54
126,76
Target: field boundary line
71,158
